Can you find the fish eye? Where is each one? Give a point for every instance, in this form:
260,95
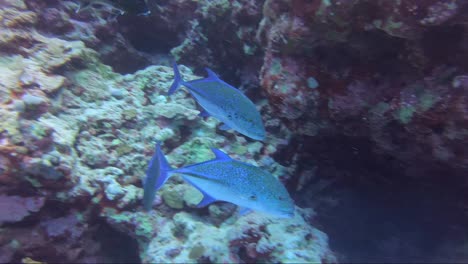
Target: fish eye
253,197
281,198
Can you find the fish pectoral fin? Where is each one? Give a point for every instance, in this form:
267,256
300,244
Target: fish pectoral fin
224,127
206,200
243,211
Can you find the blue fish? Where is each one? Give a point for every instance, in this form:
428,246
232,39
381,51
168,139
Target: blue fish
224,102
223,179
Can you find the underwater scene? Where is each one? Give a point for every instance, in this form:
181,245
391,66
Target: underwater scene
233,131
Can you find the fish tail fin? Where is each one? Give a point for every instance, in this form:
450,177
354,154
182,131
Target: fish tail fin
157,174
177,79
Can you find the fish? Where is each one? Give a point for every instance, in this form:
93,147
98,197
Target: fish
223,179
224,102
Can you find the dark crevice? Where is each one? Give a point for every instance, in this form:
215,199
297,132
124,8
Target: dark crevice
373,209
443,45
116,246
144,36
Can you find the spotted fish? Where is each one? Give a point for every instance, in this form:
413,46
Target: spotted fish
223,179
224,102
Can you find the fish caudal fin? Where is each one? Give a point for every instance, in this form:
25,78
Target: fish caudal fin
177,79
156,175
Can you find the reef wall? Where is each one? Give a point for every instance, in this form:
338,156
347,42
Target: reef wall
396,77
356,95
375,93
75,141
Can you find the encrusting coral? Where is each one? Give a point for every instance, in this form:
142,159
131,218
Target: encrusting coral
76,135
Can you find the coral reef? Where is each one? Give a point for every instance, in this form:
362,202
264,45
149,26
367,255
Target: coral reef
384,118
195,238
358,94
384,77
18,207
75,141
97,28
219,33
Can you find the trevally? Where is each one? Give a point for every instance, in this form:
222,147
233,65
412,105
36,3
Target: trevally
224,102
223,179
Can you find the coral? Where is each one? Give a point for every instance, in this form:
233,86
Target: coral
348,85
192,30
140,225
359,96
63,227
190,238
97,28
15,208
280,241
61,238
180,195
80,134
172,197
94,139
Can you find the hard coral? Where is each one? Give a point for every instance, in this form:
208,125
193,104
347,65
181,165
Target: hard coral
248,238
15,208
98,29
362,85
81,134
67,227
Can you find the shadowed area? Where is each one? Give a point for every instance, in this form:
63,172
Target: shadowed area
373,212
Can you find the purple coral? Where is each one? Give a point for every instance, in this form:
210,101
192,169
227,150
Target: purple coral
15,208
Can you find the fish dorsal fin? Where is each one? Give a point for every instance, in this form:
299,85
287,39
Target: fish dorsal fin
211,74
220,155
